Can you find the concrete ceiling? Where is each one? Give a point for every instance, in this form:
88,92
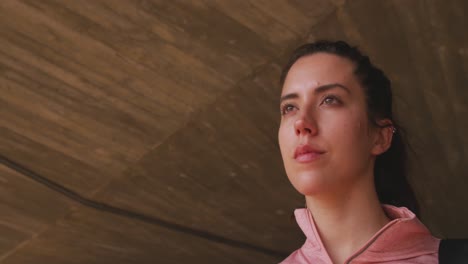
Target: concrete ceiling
145,131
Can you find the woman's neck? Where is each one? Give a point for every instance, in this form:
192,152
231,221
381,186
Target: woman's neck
347,221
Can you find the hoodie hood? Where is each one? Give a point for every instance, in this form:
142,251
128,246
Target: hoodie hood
404,238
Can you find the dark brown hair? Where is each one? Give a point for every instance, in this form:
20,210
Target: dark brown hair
390,171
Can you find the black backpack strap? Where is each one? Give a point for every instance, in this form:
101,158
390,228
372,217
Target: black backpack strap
453,251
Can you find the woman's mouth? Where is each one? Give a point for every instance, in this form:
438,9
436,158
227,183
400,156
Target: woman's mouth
307,153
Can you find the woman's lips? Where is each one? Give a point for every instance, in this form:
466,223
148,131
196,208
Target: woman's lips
308,157
307,153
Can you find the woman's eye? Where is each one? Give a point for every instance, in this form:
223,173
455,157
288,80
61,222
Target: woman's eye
287,108
331,100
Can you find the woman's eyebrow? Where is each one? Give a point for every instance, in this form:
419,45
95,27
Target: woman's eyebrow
289,96
317,90
327,87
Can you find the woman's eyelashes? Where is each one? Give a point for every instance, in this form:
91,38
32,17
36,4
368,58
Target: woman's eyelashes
327,100
287,108
331,99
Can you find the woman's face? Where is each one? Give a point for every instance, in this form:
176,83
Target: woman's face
325,138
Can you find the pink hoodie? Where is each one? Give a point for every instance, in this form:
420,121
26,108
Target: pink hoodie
404,240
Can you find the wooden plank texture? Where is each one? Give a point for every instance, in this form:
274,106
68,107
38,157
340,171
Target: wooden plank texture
85,236
27,209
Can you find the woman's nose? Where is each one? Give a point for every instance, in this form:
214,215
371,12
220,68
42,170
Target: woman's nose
305,126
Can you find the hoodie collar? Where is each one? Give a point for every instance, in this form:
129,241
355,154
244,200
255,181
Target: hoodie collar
402,238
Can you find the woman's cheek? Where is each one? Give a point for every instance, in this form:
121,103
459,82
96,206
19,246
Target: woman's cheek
283,141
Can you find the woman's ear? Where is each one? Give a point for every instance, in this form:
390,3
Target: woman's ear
383,136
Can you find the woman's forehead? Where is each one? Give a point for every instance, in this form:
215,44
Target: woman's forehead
319,69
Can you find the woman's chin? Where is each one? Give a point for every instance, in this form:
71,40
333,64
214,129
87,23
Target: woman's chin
308,190
308,184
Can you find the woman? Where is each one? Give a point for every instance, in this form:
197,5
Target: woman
343,151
